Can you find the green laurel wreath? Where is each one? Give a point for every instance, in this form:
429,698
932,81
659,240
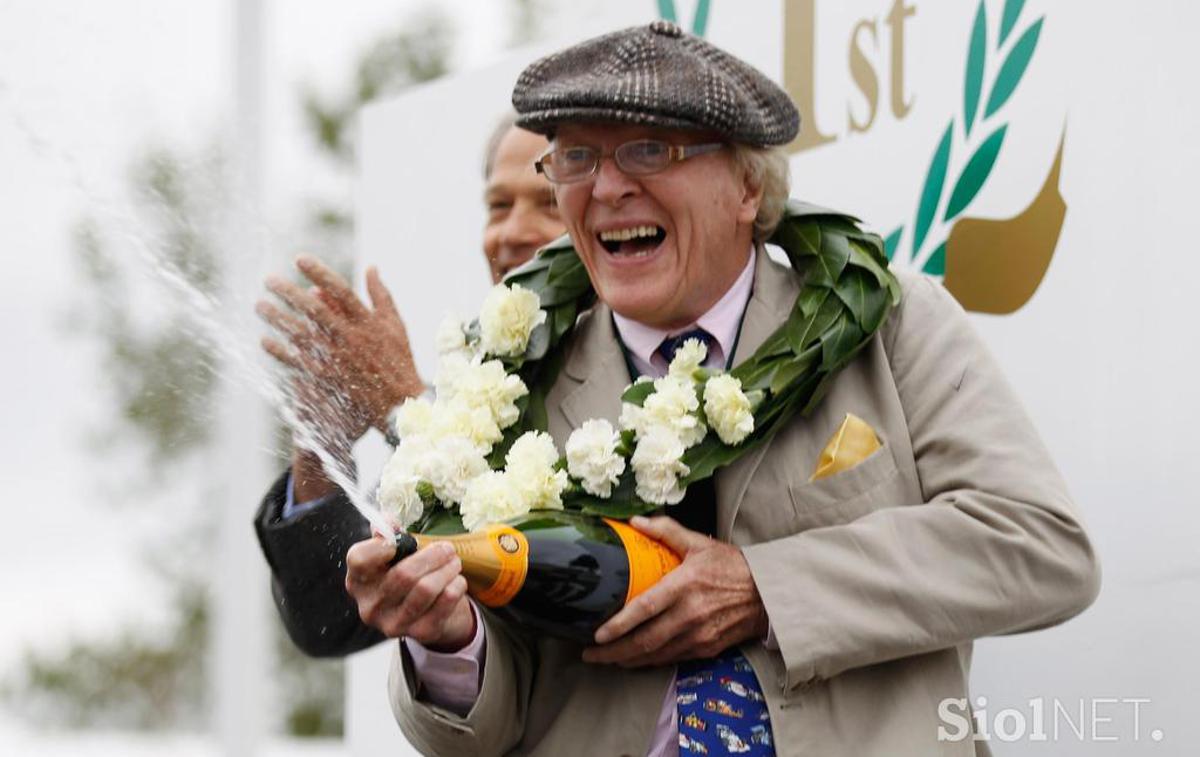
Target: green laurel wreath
979,165
846,294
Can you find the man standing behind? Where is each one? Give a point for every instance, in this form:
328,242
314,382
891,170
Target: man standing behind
351,364
812,614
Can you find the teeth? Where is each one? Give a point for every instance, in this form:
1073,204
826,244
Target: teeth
624,235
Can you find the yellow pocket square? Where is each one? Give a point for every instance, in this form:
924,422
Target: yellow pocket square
853,442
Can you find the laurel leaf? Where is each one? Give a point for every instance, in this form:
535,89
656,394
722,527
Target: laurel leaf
637,392
892,242
835,253
936,265
801,333
700,18
978,168
666,10
1014,68
976,59
838,344
1012,9
931,194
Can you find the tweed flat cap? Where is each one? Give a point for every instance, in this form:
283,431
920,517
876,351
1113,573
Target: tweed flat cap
655,75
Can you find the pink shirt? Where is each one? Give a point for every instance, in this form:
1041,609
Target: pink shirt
451,680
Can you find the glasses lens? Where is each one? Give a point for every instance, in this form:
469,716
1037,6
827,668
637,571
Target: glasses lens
643,156
569,163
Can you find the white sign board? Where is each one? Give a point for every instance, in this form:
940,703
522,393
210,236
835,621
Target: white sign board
1088,311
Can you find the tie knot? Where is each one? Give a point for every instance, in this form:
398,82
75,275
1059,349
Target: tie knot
671,344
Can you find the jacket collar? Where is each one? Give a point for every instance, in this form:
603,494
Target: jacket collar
596,365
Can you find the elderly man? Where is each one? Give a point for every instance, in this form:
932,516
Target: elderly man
305,524
810,615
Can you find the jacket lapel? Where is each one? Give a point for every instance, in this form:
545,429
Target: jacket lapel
595,373
775,289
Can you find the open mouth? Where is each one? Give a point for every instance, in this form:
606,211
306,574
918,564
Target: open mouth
635,242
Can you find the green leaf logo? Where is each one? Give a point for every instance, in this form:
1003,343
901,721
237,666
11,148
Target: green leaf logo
1014,68
1012,9
983,153
931,195
978,168
666,10
976,59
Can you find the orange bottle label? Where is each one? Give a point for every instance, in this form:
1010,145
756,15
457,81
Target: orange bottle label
649,559
495,561
512,551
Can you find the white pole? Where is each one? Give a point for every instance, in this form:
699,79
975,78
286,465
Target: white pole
242,652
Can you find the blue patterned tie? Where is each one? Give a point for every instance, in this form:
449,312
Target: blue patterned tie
721,708
720,704
671,344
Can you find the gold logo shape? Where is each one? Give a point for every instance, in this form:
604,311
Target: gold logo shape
995,266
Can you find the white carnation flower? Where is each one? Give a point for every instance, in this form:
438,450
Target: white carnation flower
530,466
728,409
657,467
507,318
488,385
414,417
451,464
673,405
631,417
491,498
688,358
592,457
450,336
459,418
397,493
452,369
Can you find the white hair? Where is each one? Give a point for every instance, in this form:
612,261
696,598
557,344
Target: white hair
766,168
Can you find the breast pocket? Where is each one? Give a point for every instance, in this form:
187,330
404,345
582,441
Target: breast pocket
844,496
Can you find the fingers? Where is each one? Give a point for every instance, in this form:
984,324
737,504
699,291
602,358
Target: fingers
381,298
394,599
301,301
280,353
429,625
333,286
422,588
669,532
285,323
367,560
647,642
644,606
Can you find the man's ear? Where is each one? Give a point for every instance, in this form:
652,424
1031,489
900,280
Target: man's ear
750,202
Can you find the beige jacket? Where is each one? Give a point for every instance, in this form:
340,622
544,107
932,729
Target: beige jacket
876,579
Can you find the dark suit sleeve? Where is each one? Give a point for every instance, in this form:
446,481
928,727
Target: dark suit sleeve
307,556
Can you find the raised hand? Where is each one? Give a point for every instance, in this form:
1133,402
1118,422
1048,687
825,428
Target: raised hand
352,363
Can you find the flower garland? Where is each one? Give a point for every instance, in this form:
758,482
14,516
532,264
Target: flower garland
479,452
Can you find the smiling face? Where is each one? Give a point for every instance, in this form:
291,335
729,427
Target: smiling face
521,212
659,249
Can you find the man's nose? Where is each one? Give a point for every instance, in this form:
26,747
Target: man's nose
612,185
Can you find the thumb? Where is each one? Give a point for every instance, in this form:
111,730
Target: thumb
669,532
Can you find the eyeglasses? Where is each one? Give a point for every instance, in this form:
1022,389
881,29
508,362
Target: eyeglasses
641,157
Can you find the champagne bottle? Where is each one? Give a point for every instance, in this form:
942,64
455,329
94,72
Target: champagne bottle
558,573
